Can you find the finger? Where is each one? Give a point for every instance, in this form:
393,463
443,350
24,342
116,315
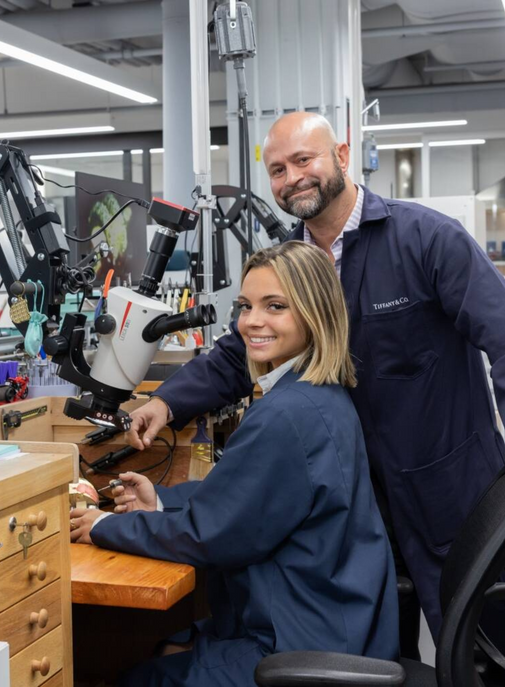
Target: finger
78,513
132,437
121,500
117,491
75,534
120,509
152,431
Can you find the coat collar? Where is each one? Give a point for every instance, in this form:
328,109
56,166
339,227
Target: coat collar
375,209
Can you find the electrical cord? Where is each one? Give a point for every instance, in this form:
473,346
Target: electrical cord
143,203
81,188
168,458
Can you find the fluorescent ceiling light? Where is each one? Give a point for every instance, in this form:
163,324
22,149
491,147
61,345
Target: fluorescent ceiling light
56,132
463,142
156,151
398,146
45,169
64,156
415,125
40,52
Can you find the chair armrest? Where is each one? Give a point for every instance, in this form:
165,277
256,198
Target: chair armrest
404,586
496,592
311,668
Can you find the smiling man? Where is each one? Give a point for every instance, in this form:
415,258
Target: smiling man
424,301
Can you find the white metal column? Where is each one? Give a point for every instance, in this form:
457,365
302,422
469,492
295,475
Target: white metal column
178,177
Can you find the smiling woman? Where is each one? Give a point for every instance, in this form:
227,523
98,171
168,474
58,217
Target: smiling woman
292,304
286,523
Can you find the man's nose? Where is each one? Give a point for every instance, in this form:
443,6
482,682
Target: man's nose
293,175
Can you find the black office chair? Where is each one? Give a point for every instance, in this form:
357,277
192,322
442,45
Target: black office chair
474,563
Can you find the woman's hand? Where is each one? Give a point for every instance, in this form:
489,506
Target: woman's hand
137,493
150,419
81,521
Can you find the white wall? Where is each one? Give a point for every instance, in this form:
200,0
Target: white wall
491,163
451,171
383,181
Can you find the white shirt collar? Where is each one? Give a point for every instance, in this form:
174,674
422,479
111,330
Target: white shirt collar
268,381
352,223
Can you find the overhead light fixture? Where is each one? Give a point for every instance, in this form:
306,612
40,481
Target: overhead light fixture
415,125
60,171
398,146
40,52
56,132
67,156
463,142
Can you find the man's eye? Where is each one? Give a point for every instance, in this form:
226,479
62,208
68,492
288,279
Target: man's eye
303,159
276,172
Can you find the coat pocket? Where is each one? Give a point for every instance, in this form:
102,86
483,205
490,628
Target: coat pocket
443,493
400,342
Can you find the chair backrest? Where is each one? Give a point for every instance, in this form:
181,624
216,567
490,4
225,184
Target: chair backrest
474,563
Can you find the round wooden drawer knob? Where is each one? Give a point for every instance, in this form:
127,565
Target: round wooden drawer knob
39,521
42,667
39,571
39,618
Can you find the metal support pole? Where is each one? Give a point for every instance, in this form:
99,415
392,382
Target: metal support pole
127,165
201,143
146,173
425,169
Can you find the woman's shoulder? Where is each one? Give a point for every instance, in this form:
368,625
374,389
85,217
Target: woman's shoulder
297,397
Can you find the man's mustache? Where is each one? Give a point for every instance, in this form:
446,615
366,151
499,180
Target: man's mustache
291,190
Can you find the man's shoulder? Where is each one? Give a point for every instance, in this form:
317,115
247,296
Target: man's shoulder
407,213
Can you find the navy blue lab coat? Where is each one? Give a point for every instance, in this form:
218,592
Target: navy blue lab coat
288,524
424,300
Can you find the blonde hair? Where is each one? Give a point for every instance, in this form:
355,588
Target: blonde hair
313,290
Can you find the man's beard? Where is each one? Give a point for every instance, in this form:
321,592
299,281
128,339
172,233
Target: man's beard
313,205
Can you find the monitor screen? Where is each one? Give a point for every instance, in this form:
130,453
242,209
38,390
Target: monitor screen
126,236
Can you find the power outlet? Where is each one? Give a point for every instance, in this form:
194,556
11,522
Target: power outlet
5,680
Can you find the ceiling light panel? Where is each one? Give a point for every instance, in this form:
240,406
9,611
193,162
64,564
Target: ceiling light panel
68,156
40,52
398,146
72,131
463,142
415,125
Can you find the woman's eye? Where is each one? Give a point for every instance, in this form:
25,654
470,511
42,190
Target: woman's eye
277,306
243,306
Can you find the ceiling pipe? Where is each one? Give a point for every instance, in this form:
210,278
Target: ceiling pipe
429,29
498,65
435,90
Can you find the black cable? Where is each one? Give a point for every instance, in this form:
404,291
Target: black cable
90,193
104,227
169,458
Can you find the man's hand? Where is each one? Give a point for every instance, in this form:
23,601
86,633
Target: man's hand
137,493
81,520
149,419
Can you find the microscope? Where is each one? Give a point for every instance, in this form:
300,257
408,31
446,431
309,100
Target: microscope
130,323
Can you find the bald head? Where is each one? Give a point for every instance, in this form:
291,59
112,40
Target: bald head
302,125
306,165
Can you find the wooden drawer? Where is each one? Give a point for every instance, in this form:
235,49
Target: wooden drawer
17,583
55,681
50,505
15,625
48,647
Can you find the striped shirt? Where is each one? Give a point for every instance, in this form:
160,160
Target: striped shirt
352,223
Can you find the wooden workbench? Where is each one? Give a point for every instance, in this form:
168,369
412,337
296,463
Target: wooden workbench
108,578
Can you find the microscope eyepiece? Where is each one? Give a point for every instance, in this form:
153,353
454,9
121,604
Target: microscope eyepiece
199,316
